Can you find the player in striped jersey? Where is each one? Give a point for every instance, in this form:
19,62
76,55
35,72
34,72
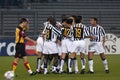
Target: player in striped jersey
66,43
79,32
50,48
96,44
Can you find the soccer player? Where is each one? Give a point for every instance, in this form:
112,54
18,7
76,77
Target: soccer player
50,49
39,50
20,38
96,44
66,42
79,33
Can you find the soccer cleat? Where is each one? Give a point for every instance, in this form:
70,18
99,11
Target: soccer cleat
90,72
45,72
107,71
57,70
33,73
76,72
69,72
61,72
82,71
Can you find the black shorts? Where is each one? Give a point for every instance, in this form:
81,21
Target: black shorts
20,50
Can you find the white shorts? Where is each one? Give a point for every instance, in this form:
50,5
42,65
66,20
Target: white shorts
78,46
96,47
50,47
59,50
39,46
66,45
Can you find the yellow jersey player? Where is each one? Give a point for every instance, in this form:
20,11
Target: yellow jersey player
20,38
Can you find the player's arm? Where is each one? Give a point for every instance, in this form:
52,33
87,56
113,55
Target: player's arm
87,33
31,40
103,35
103,41
27,38
55,30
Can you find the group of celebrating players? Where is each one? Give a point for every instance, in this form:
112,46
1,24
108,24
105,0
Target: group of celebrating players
60,42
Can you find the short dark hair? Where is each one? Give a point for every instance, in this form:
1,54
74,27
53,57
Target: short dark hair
23,20
69,21
64,17
94,19
78,19
52,20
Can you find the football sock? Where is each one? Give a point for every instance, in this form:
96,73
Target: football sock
27,66
42,66
105,64
69,65
91,65
83,62
58,67
14,65
38,64
62,64
75,65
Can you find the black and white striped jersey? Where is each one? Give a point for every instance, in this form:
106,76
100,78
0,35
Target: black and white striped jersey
51,32
79,31
97,31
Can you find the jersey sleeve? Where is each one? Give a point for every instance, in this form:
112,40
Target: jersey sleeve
45,27
103,32
22,34
86,31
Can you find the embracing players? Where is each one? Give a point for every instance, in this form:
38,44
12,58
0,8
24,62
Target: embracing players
78,34
50,49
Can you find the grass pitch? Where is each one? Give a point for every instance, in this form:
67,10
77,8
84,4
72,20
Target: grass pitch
114,65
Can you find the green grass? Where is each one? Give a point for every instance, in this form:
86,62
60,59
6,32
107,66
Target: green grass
114,65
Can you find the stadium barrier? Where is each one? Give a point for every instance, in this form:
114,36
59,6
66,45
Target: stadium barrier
7,46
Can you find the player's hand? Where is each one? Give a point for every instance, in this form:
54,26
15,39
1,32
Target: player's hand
94,37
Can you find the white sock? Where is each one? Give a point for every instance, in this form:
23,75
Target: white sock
69,65
38,64
45,71
30,71
62,64
54,68
58,67
105,64
76,65
91,65
83,63
42,66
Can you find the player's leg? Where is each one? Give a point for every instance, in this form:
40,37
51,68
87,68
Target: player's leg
74,61
19,49
58,66
90,62
46,60
105,62
66,61
62,62
83,62
55,63
14,64
82,55
38,61
27,66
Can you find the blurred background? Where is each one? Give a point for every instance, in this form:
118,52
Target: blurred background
107,12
